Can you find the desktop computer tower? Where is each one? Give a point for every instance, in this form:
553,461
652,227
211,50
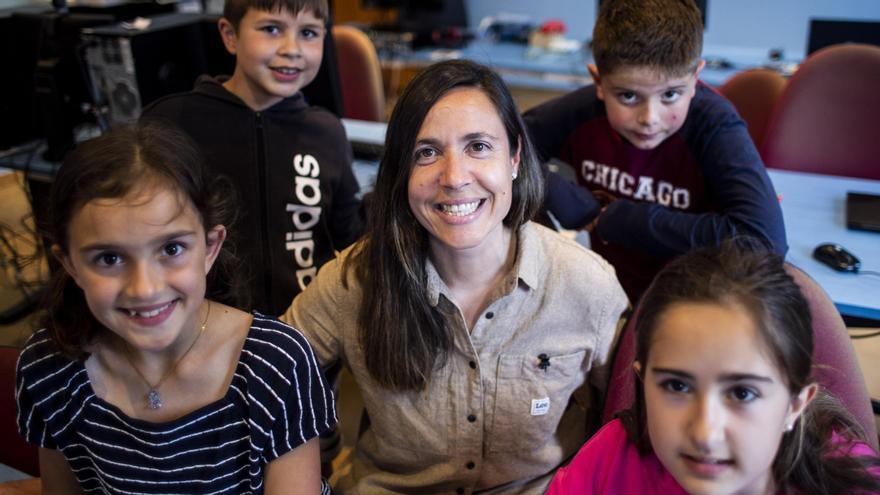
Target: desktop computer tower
130,68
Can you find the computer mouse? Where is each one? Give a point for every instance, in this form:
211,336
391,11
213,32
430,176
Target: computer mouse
838,258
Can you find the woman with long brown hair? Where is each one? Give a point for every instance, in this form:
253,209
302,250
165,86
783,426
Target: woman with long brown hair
473,333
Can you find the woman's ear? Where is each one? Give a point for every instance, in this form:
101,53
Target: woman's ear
516,158
637,369
799,403
214,240
65,261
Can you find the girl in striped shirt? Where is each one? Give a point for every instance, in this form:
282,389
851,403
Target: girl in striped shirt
145,378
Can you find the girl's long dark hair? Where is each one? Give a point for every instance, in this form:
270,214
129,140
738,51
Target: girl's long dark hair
742,271
402,335
111,166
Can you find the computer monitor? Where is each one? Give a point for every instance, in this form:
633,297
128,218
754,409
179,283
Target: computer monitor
432,14
424,15
825,32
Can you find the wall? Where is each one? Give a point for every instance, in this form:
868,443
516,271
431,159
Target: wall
753,25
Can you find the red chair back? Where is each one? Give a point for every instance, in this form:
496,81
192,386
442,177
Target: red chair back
835,365
622,383
754,93
14,451
360,74
826,120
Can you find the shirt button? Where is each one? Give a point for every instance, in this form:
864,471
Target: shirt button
470,465
490,315
459,491
471,418
473,365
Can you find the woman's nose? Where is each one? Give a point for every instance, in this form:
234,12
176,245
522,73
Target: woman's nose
456,172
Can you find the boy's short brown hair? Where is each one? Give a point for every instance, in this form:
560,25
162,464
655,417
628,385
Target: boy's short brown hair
234,10
666,35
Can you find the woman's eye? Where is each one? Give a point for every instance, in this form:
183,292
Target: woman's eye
676,386
426,155
480,147
173,249
743,394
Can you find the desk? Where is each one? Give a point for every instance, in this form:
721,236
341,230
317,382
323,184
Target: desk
814,209
552,73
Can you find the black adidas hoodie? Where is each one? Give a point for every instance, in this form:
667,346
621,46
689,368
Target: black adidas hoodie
291,164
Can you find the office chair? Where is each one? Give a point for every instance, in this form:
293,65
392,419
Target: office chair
835,366
754,93
14,451
621,390
360,74
826,120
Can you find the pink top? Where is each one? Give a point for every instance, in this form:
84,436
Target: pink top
610,463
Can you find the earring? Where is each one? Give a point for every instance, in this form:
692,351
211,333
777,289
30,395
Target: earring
513,175
789,426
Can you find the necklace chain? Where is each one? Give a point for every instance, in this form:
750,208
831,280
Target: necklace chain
154,399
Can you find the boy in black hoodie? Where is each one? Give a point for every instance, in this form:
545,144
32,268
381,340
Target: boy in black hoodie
291,162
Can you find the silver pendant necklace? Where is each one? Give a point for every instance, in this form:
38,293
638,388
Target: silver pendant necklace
154,398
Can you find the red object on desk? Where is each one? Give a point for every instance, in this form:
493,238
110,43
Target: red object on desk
553,26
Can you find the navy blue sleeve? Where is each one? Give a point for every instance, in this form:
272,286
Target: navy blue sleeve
549,125
572,205
290,400
745,202
31,424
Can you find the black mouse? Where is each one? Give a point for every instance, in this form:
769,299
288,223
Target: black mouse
836,257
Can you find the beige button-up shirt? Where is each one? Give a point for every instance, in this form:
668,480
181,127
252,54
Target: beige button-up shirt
509,405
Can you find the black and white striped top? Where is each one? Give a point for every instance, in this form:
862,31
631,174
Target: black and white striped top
278,399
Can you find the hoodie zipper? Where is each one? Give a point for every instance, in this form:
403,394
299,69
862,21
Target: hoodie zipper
264,205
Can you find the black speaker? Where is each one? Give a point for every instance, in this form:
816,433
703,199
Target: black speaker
21,45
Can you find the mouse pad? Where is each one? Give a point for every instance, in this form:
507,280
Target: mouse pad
863,211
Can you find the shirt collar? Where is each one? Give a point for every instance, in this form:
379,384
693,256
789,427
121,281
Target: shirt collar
526,267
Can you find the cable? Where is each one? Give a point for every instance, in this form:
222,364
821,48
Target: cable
869,272
22,266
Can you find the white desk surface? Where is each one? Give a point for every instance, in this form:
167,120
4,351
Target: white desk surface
868,355
814,209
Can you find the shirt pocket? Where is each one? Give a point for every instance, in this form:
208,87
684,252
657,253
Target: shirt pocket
530,400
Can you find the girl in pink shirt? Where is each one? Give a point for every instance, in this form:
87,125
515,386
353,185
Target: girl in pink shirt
725,403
